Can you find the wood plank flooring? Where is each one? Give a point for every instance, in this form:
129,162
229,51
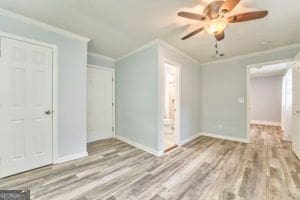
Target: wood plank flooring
268,135
205,168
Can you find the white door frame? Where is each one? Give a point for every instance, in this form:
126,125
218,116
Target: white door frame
295,139
162,63
54,87
248,89
113,97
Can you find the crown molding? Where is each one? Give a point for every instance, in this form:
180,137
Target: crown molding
145,46
297,45
172,48
42,25
100,56
161,43
287,60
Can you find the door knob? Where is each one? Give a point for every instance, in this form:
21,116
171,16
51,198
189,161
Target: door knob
47,112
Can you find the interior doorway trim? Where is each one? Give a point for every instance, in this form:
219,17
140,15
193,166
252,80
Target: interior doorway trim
55,157
248,88
114,94
162,63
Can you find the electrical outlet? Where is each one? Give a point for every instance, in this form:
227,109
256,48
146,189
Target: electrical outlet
220,126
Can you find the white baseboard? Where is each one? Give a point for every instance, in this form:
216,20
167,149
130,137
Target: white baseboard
71,157
268,123
94,136
243,140
139,146
186,140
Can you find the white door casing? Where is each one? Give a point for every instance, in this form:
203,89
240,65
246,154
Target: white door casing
25,93
162,93
287,104
296,106
248,89
100,106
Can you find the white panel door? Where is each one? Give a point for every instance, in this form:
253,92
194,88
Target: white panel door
296,106
25,96
100,103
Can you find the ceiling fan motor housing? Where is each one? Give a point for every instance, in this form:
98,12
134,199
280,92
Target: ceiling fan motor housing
212,10
215,19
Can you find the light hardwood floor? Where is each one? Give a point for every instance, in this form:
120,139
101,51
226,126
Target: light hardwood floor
205,168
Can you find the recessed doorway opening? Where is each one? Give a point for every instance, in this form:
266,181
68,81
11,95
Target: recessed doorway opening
171,106
270,114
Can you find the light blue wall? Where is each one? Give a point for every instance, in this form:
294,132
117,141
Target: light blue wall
222,83
137,95
266,98
190,85
137,98
98,60
72,61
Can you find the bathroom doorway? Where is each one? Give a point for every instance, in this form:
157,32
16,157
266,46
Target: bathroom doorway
171,107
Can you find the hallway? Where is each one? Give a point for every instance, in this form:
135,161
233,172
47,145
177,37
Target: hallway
268,135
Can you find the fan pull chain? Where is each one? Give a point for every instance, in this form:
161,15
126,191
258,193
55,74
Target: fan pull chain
216,46
217,50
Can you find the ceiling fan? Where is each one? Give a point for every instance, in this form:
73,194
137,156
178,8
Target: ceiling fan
215,19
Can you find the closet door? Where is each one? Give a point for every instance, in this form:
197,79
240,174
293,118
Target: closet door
296,106
100,103
25,106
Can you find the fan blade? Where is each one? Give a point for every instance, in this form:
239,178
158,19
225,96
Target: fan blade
192,33
229,5
247,16
220,36
192,16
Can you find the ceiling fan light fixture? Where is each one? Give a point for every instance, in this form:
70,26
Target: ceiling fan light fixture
215,19
216,26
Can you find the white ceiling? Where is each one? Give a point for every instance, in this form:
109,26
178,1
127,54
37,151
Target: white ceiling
269,70
117,27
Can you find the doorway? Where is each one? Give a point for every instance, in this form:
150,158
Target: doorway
296,106
28,107
171,106
270,114
100,108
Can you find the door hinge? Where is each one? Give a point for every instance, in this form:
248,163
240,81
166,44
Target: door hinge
112,79
112,104
113,129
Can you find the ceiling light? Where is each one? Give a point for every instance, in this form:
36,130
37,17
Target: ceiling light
216,26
